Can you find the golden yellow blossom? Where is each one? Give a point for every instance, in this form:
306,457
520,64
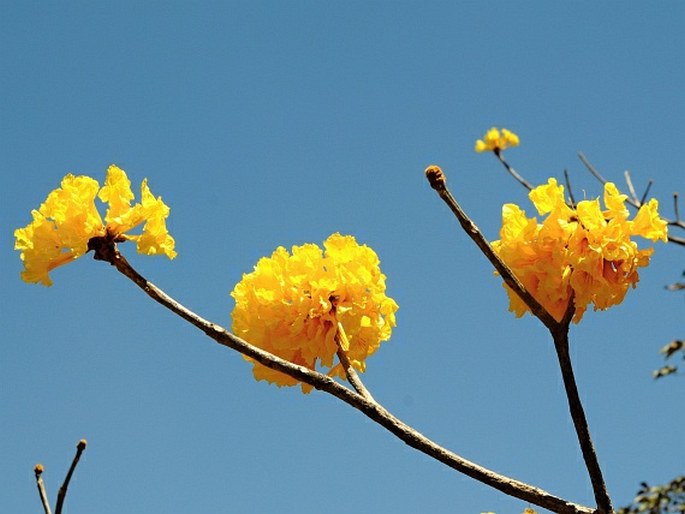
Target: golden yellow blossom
291,304
496,141
68,219
584,253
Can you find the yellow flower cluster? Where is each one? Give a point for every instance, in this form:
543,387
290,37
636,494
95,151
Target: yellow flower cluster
496,141
584,253
291,304
68,219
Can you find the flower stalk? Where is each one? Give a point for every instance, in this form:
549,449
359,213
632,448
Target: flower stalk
352,376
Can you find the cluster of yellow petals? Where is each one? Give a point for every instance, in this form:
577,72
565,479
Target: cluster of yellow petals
291,304
68,219
585,253
496,140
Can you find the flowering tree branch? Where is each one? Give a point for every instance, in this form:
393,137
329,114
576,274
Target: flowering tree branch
633,200
558,330
368,407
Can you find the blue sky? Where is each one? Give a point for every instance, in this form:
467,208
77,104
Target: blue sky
278,123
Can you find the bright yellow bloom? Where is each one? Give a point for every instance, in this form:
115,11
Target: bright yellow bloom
496,141
291,304
68,219
585,253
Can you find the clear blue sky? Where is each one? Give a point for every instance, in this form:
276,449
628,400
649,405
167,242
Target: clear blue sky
277,123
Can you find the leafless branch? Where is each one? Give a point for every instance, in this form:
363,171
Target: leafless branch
570,191
677,220
561,344
62,493
631,189
591,168
38,472
438,182
644,195
512,171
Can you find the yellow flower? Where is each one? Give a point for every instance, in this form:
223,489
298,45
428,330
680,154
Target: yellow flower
68,220
291,304
496,141
584,253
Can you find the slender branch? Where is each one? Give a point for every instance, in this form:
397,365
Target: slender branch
580,421
572,198
438,182
38,472
629,183
374,411
644,195
512,171
350,372
62,493
596,173
678,221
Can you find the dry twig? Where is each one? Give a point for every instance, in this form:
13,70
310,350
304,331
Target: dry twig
38,472
62,493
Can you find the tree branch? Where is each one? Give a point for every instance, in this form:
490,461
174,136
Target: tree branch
512,171
437,180
374,411
587,448
38,472
350,372
558,329
62,493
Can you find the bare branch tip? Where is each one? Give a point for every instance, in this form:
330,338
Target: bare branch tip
436,177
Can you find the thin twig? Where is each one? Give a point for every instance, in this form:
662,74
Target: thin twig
587,448
644,195
570,191
350,372
629,183
675,208
374,411
62,493
438,182
38,472
591,168
512,171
